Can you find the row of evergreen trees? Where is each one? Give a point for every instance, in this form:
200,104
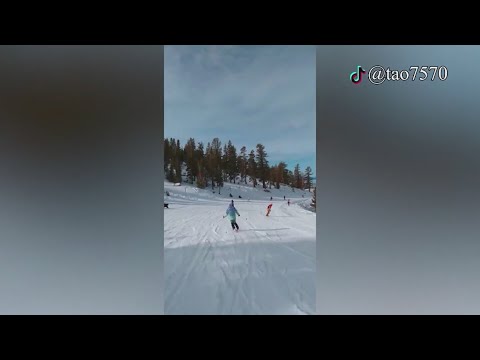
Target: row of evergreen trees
214,165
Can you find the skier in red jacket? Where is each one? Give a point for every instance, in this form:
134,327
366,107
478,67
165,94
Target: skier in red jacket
269,208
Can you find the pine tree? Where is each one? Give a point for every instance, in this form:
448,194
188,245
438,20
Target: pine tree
174,160
166,155
171,160
314,198
262,163
189,175
252,168
179,152
178,170
269,177
240,167
274,176
298,180
232,165
308,178
190,161
200,180
225,164
216,149
199,158
290,179
287,175
209,174
242,164
171,173
281,174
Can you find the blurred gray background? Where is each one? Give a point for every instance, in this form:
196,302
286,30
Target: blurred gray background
81,222
398,183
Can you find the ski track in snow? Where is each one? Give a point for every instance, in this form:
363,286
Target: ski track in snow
268,267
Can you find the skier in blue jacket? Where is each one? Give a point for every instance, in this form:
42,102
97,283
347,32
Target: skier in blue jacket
231,213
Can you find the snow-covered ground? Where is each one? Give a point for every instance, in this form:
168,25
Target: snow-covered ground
268,267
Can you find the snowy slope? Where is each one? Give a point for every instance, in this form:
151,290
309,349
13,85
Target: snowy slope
268,267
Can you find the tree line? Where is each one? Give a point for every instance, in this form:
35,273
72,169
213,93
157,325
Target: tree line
215,165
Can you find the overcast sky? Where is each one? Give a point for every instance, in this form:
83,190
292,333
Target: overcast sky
246,94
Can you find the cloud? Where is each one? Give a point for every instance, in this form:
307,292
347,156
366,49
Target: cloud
248,94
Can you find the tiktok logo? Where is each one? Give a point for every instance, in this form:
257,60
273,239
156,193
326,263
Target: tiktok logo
356,76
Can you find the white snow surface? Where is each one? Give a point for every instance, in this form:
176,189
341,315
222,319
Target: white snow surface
268,267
